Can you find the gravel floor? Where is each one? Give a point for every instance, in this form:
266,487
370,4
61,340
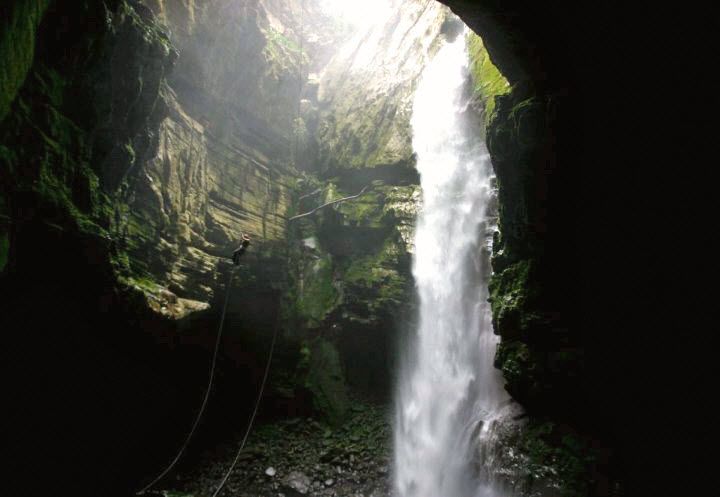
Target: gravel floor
300,457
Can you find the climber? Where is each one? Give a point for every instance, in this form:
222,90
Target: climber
244,243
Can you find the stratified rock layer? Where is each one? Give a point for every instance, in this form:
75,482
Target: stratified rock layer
241,151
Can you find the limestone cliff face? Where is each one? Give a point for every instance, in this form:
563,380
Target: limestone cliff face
95,70
353,281
352,274
263,115
194,198
365,93
69,142
222,163
224,160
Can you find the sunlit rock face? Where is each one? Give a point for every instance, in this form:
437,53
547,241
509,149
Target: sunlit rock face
366,90
260,90
222,162
272,88
360,251
210,118
269,102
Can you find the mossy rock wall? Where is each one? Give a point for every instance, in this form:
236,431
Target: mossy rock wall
365,107
158,172
223,160
353,277
526,307
326,381
72,325
488,82
351,262
59,141
540,354
18,30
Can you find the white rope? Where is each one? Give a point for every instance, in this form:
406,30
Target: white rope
255,411
207,392
362,192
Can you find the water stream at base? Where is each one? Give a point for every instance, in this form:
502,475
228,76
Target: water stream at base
449,394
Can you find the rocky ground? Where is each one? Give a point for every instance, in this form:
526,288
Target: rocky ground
297,457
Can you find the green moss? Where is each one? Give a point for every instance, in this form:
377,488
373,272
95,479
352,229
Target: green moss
382,206
145,283
511,298
305,355
513,358
152,33
120,262
362,133
138,231
277,38
283,54
18,25
402,201
4,250
488,82
58,170
366,211
56,137
326,381
318,295
526,118
66,183
379,272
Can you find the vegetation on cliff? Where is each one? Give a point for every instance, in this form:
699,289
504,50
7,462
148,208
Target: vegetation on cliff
18,33
540,355
351,275
65,143
488,82
365,112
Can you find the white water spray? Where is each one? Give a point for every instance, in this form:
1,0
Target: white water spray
449,393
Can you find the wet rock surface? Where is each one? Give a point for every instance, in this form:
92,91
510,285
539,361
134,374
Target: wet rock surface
298,457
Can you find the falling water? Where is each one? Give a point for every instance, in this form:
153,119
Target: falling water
448,394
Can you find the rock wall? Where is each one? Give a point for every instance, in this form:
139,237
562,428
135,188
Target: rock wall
80,343
549,357
17,46
365,93
353,284
222,164
246,145
163,171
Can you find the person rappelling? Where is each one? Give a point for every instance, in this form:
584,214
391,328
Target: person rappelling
244,244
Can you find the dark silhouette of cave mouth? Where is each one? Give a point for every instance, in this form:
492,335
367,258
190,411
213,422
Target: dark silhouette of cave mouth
593,67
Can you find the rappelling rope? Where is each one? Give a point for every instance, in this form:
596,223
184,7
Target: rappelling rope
327,204
255,411
296,130
207,391
220,329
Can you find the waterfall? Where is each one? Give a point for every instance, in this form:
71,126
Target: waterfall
448,394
